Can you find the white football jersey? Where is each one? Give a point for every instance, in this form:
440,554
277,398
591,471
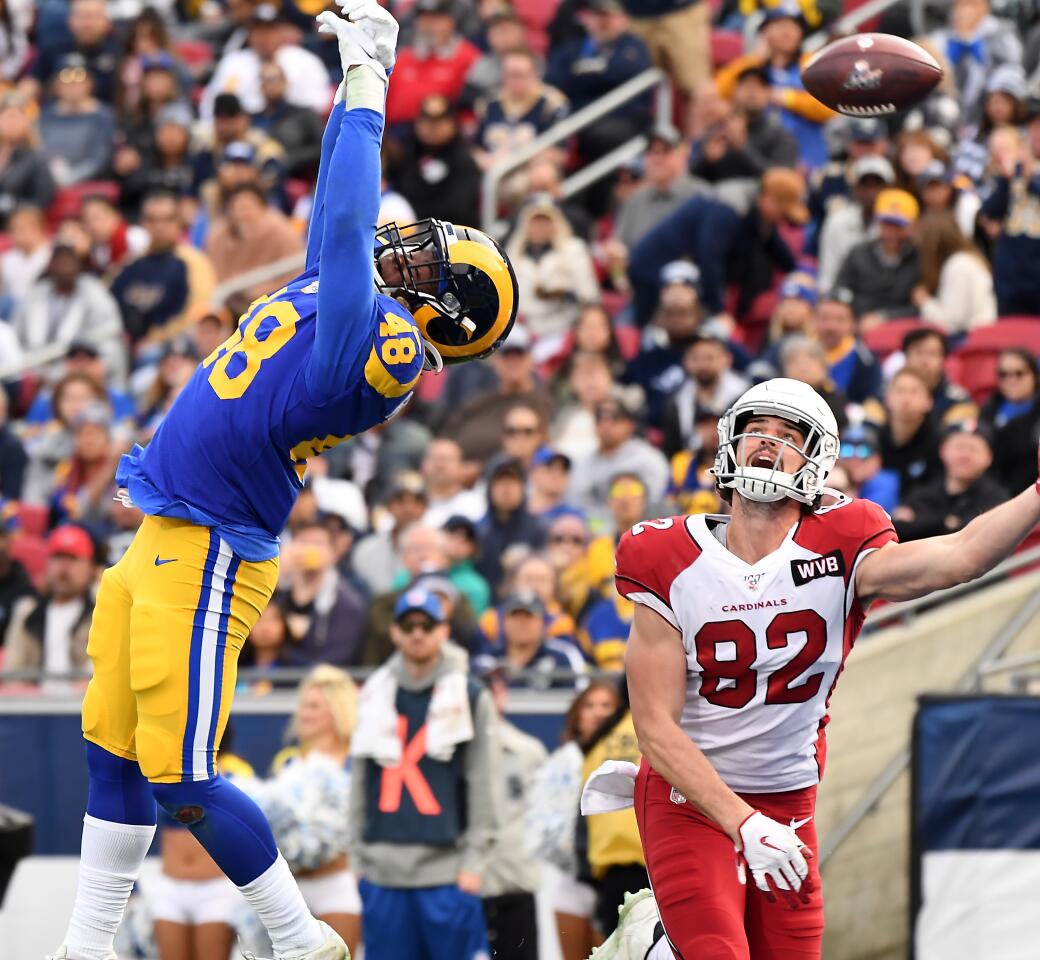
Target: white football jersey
764,642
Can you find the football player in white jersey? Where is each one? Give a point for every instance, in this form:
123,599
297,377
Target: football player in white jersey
742,625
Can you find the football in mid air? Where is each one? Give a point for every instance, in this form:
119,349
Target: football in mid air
871,74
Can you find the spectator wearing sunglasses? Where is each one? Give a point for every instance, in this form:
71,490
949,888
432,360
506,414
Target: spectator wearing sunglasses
860,457
1013,414
523,434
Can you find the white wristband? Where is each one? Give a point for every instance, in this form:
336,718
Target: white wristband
366,87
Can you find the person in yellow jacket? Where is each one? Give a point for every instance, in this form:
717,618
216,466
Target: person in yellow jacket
780,51
612,847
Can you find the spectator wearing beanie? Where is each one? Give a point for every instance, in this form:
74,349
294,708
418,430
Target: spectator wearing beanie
882,273
657,369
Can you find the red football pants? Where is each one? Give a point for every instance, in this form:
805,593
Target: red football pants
707,913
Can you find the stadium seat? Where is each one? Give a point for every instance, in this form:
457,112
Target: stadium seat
31,552
978,353
32,519
197,56
887,338
726,45
69,200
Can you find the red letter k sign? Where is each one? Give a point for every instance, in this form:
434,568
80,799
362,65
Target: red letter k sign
407,774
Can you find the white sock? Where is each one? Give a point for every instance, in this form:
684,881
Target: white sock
660,951
109,862
279,905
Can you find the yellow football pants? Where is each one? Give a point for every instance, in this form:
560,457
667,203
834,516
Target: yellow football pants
170,621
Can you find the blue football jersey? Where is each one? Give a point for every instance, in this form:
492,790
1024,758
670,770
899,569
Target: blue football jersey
309,366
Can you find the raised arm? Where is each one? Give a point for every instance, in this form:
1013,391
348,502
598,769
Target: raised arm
904,571
349,206
655,663
328,143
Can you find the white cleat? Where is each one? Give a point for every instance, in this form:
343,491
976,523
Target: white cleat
333,948
636,930
63,954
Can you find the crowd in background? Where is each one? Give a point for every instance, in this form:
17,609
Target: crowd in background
154,157
149,155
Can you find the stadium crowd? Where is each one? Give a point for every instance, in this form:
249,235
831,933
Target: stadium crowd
155,158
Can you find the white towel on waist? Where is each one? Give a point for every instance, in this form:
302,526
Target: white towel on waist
610,787
449,719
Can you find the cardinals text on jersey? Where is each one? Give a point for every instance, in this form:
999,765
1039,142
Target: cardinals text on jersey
764,642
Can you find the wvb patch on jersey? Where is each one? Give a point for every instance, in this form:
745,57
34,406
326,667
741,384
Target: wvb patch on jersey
829,565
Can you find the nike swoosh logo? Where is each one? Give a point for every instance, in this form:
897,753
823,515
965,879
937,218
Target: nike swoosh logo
159,562
772,846
798,824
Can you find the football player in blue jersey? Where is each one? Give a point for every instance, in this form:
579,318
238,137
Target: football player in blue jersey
331,354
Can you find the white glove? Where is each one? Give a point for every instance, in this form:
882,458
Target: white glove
774,852
356,48
378,23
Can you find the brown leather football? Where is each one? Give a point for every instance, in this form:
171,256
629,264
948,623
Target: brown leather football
871,74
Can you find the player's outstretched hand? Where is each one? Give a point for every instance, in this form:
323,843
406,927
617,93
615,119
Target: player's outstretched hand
776,858
378,23
356,48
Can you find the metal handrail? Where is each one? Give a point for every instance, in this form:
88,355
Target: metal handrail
884,781
566,128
